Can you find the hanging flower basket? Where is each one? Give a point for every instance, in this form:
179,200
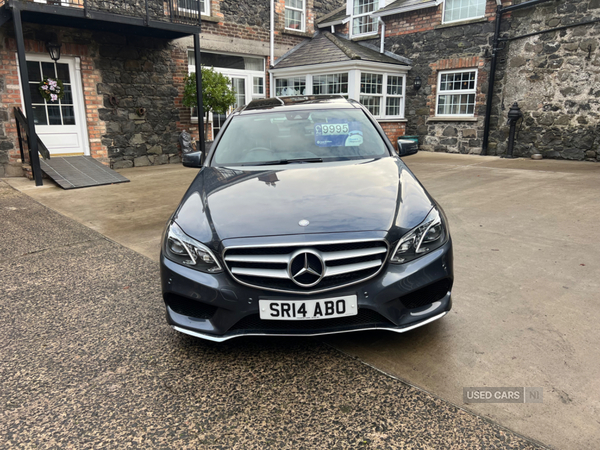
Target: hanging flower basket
52,89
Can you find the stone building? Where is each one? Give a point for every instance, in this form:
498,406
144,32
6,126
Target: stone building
123,63
235,40
546,60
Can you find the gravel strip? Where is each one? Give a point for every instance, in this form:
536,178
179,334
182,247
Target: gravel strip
88,362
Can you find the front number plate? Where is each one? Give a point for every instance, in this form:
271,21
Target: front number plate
328,308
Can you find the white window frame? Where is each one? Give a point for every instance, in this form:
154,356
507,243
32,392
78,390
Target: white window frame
338,74
456,92
464,19
302,12
237,73
306,84
205,11
384,93
353,16
354,70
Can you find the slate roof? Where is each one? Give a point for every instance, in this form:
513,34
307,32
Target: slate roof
325,48
334,17
407,5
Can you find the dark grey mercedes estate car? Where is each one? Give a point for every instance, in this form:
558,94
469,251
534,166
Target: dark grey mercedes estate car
303,220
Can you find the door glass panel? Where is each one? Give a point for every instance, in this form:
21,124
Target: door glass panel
39,115
48,70
68,98
68,115
54,115
62,71
33,68
239,85
36,97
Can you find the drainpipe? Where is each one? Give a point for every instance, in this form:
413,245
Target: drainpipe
488,107
272,57
381,46
490,93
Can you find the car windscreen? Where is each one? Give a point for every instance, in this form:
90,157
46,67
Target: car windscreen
311,136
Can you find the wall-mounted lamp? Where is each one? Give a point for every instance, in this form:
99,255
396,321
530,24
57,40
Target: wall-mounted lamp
53,50
417,83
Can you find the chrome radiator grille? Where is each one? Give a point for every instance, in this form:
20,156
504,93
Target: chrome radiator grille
306,268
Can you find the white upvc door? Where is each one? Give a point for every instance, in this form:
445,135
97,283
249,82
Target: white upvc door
61,125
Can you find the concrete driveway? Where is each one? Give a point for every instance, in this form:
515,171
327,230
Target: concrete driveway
527,252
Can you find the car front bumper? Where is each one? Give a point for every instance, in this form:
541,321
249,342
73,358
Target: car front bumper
399,298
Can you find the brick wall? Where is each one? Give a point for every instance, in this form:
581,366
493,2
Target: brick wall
10,95
393,130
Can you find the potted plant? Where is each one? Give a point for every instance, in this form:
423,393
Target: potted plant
217,93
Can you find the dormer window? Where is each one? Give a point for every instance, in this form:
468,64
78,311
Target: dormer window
362,22
294,14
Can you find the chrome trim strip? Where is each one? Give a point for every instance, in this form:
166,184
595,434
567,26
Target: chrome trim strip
347,254
349,268
226,338
283,259
433,307
307,245
270,273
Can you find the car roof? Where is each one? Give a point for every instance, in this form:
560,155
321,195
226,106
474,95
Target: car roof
299,102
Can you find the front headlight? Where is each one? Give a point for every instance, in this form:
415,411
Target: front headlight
428,236
182,249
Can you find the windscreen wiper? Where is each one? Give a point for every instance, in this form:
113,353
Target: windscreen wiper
286,161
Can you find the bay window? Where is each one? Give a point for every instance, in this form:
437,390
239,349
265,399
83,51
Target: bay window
290,86
336,83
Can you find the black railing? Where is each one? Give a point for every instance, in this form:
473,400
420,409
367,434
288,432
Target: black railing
24,138
177,11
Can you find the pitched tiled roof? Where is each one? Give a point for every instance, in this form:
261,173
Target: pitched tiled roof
405,5
326,48
334,17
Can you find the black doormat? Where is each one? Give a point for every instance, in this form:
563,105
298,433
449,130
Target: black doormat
74,172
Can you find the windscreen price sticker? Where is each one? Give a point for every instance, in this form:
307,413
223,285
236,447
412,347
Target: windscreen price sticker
340,134
334,129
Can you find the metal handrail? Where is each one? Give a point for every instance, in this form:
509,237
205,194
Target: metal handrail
176,11
22,124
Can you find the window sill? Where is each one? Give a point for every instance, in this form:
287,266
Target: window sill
390,119
453,119
366,37
461,23
214,19
297,33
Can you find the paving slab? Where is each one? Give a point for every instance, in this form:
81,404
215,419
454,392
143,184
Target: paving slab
133,214
527,252
525,299
87,361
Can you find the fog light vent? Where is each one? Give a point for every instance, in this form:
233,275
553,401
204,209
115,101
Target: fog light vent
427,295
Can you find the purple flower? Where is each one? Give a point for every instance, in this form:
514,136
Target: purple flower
44,87
53,97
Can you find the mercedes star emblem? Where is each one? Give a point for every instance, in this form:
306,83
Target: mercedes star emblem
304,223
306,268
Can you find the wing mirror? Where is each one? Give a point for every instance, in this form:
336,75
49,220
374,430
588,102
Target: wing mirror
407,147
193,159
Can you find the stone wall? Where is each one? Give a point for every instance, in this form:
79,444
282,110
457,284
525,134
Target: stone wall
555,78
140,95
431,49
120,75
322,7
